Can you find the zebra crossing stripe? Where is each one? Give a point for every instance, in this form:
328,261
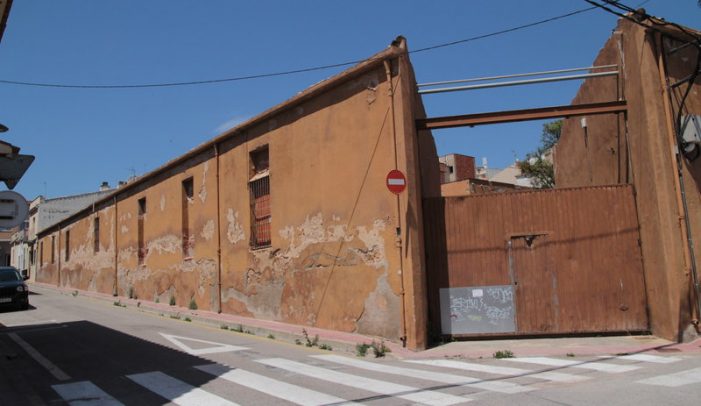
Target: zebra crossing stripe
84,393
497,370
177,391
675,380
412,394
656,359
556,362
285,391
495,386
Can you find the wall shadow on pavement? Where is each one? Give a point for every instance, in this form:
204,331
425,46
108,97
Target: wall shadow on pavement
87,351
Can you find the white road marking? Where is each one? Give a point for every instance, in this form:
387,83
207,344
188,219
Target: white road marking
646,358
285,391
495,386
85,393
32,323
556,362
177,391
214,346
412,394
53,369
512,372
675,380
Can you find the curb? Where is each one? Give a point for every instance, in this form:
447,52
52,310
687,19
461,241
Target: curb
346,342
294,334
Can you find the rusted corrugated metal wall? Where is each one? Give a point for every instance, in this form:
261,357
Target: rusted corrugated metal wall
572,257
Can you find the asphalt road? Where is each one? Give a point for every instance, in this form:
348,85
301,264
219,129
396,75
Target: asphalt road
82,351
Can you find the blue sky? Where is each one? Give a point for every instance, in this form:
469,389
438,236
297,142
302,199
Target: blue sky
81,137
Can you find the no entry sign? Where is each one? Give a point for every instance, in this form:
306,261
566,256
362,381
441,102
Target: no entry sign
396,181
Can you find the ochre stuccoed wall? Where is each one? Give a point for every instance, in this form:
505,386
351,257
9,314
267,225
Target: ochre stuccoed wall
641,156
87,269
335,260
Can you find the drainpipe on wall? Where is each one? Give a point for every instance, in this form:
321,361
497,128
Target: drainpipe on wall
388,72
115,291
682,208
58,254
216,157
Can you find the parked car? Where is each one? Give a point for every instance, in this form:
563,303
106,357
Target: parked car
13,290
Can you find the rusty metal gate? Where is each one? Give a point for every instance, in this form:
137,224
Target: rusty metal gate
540,262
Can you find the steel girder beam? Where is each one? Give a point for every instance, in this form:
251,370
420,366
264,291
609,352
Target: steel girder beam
590,109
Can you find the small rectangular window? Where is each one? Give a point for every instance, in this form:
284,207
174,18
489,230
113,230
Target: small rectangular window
188,240
68,245
41,254
96,234
259,187
141,249
53,248
142,206
188,188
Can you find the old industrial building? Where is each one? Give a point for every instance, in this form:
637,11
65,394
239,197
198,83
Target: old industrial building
654,146
285,217
288,216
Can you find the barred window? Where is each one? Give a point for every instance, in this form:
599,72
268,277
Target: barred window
259,186
141,250
188,239
96,234
68,245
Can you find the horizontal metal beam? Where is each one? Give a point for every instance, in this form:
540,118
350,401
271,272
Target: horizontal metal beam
518,82
517,75
434,123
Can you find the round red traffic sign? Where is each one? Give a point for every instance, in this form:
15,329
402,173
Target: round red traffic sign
396,181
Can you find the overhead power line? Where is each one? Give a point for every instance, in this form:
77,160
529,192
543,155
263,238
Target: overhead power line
607,4
508,30
290,72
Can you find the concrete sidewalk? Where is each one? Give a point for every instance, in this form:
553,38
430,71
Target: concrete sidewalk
342,341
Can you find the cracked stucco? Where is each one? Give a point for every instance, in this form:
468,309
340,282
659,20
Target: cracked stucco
380,306
203,189
169,243
263,284
208,230
234,232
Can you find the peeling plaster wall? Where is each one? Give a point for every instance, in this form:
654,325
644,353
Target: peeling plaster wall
334,260
85,268
328,252
167,271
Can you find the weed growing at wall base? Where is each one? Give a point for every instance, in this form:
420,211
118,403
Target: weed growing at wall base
310,343
503,354
379,349
361,350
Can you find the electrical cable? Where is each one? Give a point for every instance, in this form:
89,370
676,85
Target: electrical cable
290,72
621,6
520,27
645,17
